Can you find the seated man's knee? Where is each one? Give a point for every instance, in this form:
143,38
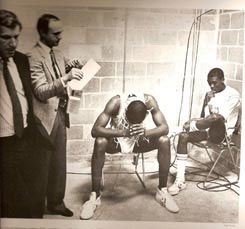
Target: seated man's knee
183,137
216,118
101,142
164,140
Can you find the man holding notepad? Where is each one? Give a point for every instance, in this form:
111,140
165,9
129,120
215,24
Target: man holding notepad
50,74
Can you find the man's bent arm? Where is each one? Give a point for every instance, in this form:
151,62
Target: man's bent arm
206,122
158,118
41,88
99,129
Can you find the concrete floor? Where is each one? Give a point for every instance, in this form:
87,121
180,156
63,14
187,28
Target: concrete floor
124,198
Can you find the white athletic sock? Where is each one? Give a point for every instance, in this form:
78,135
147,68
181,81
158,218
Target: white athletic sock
181,164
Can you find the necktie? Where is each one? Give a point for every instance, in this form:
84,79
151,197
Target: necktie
57,72
17,111
55,65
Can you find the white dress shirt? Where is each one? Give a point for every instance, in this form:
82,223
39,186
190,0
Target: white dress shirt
6,111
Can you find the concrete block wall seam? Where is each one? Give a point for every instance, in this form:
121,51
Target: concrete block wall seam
93,85
224,21
229,37
80,147
108,68
222,53
91,100
235,54
241,37
239,72
237,20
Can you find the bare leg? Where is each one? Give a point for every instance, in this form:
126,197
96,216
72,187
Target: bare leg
98,160
184,138
101,146
208,121
163,156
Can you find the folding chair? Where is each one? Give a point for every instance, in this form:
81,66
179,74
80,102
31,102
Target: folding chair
226,147
135,162
233,151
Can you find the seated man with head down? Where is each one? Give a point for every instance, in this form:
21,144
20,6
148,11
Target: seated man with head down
127,134
218,117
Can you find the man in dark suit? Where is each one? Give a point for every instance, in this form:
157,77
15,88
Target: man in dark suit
20,166
50,72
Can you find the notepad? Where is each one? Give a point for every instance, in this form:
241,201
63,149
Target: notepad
75,87
89,70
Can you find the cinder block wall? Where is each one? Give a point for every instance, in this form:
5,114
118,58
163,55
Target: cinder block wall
231,45
230,54
138,49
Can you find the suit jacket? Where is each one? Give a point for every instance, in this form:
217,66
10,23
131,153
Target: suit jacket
46,88
37,135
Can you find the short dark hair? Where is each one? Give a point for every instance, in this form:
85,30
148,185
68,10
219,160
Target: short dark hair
9,19
136,112
216,72
43,22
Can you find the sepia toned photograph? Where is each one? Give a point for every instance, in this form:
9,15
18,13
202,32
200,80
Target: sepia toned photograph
121,114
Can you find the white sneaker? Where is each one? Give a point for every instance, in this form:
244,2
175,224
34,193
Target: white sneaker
89,207
165,199
176,187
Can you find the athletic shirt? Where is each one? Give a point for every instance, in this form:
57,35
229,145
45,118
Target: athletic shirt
120,122
227,104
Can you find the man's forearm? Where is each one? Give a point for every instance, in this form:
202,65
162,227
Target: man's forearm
205,123
157,131
49,90
108,132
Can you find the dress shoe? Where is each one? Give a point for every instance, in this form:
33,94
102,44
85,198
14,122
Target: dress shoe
60,210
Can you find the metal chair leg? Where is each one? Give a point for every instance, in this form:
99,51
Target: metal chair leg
215,163
212,168
136,160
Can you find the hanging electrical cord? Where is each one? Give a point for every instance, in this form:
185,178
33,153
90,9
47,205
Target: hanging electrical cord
194,62
185,66
186,60
193,56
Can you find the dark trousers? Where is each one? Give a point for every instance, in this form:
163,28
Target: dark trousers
22,178
57,162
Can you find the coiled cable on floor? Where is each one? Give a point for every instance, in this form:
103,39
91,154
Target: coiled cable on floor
216,178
